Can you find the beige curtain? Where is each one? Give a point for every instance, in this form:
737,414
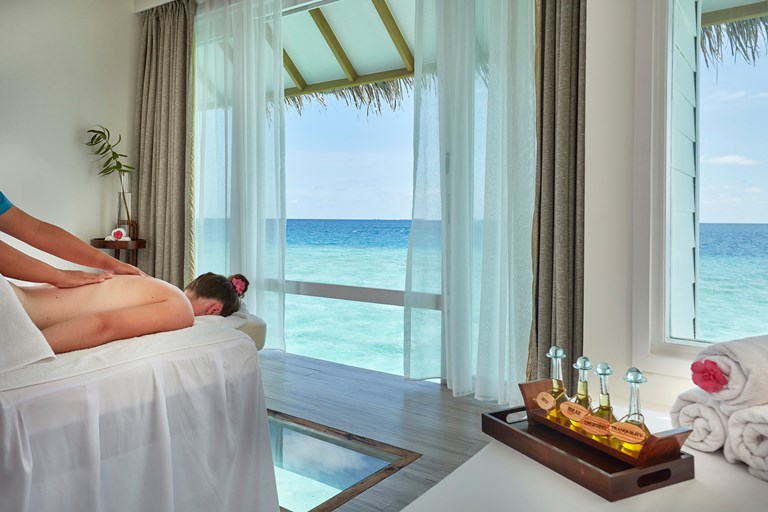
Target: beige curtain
163,134
558,226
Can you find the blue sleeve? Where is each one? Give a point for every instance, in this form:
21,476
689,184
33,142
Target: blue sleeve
5,204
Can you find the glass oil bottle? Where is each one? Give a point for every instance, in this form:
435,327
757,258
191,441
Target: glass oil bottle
551,400
631,431
599,422
579,405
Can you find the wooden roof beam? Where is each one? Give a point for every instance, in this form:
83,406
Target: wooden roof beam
333,43
394,33
742,12
293,72
342,83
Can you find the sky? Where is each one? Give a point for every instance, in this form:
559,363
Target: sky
342,163
734,142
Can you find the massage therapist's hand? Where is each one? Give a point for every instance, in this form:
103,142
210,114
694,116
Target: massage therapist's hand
75,278
118,267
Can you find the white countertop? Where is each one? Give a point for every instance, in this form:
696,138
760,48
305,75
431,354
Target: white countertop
501,478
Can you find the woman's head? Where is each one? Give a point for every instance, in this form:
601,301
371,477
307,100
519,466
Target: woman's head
214,294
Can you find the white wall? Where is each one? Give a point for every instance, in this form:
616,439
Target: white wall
610,95
64,66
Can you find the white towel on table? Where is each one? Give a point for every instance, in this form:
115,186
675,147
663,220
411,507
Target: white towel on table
21,343
697,410
747,439
241,319
745,363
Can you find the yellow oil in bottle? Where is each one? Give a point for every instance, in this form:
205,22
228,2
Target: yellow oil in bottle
556,356
583,365
634,448
634,418
604,410
558,393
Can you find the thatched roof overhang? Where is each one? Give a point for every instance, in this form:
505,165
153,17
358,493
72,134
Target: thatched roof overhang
743,29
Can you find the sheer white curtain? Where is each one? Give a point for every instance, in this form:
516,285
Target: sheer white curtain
474,185
239,151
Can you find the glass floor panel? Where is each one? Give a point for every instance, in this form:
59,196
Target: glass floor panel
318,468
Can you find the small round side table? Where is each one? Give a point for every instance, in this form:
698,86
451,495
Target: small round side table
132,246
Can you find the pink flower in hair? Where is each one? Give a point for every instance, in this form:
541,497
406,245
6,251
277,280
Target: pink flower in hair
708,376
239,285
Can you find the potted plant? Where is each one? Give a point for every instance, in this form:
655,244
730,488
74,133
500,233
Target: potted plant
111,161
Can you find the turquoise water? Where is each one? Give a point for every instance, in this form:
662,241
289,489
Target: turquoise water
733,286
370,253
733,281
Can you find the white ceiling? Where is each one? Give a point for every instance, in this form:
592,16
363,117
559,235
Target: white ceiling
360,32
716,5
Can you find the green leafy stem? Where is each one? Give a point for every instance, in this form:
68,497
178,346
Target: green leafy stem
110,158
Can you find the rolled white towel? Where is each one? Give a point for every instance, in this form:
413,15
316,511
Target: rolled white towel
747,439
758,473
734,372
697,410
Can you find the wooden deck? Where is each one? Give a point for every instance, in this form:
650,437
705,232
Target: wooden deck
420,416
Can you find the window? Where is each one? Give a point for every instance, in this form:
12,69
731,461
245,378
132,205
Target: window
733,259
349,178
686,284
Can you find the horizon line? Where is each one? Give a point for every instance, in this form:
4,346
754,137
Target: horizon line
403,219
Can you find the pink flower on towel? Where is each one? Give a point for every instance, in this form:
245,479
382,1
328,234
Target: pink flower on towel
708,376
118,234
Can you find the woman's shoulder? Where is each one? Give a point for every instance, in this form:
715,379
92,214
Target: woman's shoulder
141,282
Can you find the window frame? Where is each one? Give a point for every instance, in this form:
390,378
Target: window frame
352,293
652,348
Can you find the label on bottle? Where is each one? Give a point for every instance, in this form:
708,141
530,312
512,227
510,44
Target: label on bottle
595,425
545,400
628,432
573,411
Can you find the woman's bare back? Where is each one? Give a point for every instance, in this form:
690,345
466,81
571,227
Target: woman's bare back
121,307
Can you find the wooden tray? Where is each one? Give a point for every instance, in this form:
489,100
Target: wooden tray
659,447
600,472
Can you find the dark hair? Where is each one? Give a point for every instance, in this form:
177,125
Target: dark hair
226,290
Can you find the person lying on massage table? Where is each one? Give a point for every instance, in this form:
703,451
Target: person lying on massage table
125,307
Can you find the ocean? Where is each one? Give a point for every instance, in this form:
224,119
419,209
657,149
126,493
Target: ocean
370,253
733,275
733,287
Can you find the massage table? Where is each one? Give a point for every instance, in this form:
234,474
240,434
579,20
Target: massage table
174,421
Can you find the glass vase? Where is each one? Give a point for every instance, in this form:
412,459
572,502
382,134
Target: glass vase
124,216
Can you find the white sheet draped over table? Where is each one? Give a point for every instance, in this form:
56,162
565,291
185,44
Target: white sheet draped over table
169,422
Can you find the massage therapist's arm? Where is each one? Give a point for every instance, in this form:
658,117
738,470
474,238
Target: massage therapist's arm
56,241
17,265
